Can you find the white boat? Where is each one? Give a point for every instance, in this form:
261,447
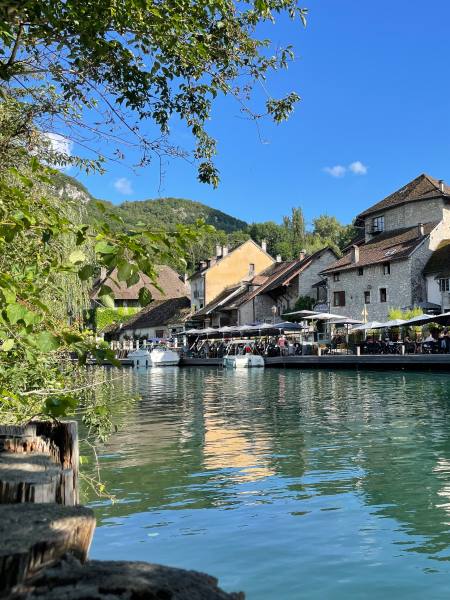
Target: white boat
164,357
242,354
158,356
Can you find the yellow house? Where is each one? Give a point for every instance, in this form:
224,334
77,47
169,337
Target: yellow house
227,269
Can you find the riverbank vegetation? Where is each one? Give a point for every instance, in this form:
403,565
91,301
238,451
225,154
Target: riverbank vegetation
79,84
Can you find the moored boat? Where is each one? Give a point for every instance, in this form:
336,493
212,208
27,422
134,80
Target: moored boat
162,356
242,355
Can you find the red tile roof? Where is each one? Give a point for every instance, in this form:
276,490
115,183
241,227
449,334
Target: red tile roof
386,247
168,280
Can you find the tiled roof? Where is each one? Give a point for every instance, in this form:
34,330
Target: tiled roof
283,275
386,247
168,280
218,300
159,313
420,188
439,262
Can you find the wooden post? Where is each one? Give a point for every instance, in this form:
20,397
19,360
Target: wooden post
52,474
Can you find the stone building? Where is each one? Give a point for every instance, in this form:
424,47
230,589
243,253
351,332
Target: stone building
386,268
227,268
269,294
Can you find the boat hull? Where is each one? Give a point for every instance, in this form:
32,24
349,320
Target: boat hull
247,361
164,358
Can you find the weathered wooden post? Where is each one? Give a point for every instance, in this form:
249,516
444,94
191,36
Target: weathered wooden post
45,536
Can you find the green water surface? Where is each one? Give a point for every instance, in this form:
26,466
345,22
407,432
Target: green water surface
283,484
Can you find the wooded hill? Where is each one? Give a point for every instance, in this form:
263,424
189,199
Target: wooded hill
286,238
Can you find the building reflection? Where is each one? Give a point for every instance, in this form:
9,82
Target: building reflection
205,438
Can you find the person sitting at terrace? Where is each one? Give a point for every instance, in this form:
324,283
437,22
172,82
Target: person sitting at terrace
444,341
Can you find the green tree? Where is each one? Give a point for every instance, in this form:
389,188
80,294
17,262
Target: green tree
135,61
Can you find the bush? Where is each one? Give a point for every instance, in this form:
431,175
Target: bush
109,316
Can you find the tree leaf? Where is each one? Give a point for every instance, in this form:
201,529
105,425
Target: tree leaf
15,312
145,296
104,248
76,257
107,300
8,345
86,272
46,341
124,270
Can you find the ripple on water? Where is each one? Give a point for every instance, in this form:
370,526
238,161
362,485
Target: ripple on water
286,484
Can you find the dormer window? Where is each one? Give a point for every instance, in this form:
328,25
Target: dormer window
378,224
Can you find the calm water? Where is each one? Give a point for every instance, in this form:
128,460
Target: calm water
284,484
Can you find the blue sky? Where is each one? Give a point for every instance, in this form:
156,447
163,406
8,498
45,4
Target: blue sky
373,77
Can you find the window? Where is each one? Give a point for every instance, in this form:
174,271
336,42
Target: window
383,295
367,297
251,269
378,224
360,271
444,285
339,299
386,268
159,333
336,278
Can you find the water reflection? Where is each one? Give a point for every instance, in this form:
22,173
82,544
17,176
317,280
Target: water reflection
340,477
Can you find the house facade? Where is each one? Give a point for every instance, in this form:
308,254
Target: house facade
269,294
227,268
386,268
160,319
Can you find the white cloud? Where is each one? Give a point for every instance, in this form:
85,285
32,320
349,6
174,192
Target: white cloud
357,168
59,143
123,186
336,171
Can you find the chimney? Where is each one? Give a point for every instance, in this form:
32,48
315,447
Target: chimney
102,273
441,185
278,258
355,253
218,250
224,250
302,254
264,245
420,230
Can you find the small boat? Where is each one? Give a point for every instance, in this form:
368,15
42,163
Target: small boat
162,356
156,356
242,354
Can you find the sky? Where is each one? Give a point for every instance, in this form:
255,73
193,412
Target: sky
373,78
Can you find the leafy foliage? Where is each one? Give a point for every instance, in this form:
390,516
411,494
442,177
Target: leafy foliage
47,253
109,316
132,61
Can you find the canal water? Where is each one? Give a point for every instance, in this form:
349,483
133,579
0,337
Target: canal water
285,484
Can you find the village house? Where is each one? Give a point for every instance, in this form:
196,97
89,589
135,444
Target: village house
160,319
226,269
170,282
269,294
400,260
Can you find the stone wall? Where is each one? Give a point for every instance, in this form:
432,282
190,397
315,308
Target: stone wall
409,214
311,275
397,285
